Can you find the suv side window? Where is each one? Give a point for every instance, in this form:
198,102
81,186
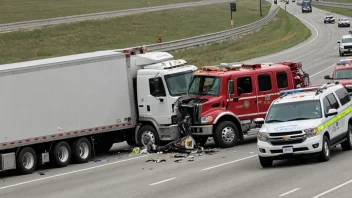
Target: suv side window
326,104
281,80
264,82
333,101
343,96
154,85
245,83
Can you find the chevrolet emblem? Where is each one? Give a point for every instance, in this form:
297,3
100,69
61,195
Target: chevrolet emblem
286,137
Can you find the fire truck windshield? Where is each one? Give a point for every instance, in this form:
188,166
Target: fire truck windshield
343,74
178,83
205,85
300,110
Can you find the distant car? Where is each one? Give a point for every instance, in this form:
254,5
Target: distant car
343,22
293,0
345,45
350,32
329,19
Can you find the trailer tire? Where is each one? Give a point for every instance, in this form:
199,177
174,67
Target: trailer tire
61,154
81,150
226,134
26,160
147,131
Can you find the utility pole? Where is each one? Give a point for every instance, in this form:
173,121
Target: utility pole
260,5
232,9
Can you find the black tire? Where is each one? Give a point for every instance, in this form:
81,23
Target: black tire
325,152
347,145
147,131
81,150
27,153
218,134
201,140
266,162
61,154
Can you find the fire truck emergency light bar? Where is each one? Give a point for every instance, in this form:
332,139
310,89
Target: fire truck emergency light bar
291,91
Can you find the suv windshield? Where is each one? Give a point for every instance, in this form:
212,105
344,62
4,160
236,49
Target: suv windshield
305,4
347,40
303,110
205,85
329,17
343,74
178,83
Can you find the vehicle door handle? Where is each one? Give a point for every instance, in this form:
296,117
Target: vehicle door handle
141,106
148,108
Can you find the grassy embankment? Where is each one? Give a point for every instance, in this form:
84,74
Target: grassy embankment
341,11
127,31
283,32
24,10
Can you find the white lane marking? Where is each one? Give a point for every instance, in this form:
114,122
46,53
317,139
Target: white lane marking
291,191
323,70
229,162
316,30
162,181
68,173
328,191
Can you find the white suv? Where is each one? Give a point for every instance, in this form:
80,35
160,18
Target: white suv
306,122
345,45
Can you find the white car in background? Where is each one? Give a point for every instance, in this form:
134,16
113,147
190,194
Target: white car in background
345,45
343,22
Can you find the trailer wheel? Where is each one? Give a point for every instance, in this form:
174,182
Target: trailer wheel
61,154
81,150
147,133
226,134
26,161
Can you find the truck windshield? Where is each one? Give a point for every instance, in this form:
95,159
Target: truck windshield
305,4
343,74
302,110
178,83
205,85
347,40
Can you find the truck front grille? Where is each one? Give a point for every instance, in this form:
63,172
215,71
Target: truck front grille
348,47
287,138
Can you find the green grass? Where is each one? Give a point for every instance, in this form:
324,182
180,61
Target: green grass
341,1
283,32
127,31
23,10
341,11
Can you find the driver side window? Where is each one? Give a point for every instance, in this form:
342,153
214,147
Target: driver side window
244,84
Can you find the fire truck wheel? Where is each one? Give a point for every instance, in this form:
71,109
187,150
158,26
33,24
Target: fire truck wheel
61,154
226,134
26,161
81,150
147,134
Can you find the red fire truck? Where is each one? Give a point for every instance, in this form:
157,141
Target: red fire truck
223,101
343,74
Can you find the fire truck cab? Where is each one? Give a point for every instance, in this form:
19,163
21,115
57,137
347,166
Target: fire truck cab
343,74
224,101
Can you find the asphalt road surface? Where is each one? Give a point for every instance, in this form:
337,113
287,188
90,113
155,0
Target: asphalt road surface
234,172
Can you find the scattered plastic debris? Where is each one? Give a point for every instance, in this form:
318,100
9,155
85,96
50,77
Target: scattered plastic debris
178,160
41,173
144,151
136,151
156,160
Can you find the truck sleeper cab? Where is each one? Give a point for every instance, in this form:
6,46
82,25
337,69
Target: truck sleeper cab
224,100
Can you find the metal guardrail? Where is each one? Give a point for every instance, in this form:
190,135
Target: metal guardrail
333,4
217,36
76,18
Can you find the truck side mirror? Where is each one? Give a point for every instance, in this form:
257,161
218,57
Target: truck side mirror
259,121
331,112
327,77
230,87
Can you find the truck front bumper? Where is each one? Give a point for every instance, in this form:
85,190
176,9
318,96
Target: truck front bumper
346,50
310,146
202,130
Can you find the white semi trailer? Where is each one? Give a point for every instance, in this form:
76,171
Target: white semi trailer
62,109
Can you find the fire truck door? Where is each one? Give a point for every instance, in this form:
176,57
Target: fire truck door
266,92
246,106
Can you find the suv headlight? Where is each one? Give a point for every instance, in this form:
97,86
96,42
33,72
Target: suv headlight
206,119
263,136
311,132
